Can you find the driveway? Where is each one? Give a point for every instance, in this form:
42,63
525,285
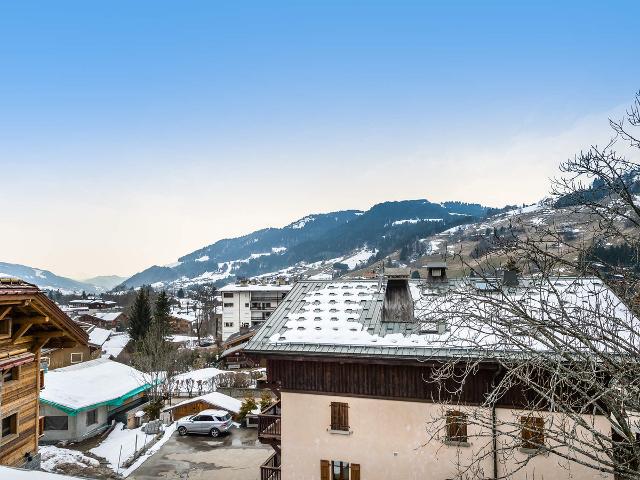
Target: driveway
235,456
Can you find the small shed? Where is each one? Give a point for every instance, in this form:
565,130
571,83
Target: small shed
214,400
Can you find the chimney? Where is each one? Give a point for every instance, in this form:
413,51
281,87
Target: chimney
398,304
437,271
510,274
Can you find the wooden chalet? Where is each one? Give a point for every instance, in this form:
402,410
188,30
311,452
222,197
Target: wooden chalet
349,375
233,355
29,321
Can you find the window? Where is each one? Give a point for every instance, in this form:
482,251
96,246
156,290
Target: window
227,295
228,305
92,417
40,426
532,432
228,324
246,305
9,425
11,374
340,416
205,418
456,426
76,357
339,470
56,422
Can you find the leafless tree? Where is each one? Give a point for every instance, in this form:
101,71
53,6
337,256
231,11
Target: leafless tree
561,338
205,310
159,361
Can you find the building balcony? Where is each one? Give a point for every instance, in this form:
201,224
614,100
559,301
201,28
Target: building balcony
269,424
270,470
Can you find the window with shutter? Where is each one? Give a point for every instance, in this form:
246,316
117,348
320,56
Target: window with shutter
456,426
532,432
339,470
340,416
325,470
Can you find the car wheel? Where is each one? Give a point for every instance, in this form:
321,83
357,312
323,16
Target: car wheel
182,431
214,432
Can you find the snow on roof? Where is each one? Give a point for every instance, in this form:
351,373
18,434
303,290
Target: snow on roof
107,316
97,336
116,343
216,399
20,474
345,316
203,374
90,384
256,288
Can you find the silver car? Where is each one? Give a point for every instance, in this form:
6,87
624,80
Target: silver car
207,422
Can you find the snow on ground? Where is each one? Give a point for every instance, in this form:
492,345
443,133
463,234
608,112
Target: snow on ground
415,220
115,344
203,258
302,222
360,257
121,444
529,209
156,446
18,474
321,276
278,249
53,457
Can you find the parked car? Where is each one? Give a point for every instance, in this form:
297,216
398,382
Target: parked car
207,422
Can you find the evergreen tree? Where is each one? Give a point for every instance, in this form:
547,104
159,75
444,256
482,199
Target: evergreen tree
162,312
181,293
140,316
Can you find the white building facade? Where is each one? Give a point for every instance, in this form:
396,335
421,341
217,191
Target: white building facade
248,305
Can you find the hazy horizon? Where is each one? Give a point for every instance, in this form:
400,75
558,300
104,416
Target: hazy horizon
134,133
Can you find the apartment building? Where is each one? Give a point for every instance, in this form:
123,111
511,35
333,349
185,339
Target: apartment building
349,362
245,305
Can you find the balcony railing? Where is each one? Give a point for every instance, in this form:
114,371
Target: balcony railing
269,424
270,470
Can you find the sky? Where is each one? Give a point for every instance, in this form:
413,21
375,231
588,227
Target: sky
132,133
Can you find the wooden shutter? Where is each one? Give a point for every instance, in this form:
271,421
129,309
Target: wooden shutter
532,432
325,470
355,471
40,426
456,426
339,416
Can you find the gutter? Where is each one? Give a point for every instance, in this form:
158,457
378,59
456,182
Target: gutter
494,430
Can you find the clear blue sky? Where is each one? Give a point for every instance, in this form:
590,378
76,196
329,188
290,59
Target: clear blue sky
136,131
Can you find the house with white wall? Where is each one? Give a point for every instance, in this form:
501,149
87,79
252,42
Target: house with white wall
350,370
82,400
245,305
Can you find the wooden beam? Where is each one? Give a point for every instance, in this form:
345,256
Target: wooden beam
5,312
34,320
40,335
20,332
39,344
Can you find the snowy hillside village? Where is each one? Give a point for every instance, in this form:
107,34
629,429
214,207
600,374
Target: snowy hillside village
474,349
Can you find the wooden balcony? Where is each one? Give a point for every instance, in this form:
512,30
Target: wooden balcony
269,424
270,470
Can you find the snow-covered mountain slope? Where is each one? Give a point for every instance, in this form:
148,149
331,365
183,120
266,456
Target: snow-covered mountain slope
105,281
46,279
351,238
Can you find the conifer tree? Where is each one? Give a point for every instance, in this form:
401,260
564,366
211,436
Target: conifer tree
140,317
162,312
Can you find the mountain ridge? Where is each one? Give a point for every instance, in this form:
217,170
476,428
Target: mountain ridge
340,235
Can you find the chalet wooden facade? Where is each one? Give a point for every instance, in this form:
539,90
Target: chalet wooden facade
29,320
